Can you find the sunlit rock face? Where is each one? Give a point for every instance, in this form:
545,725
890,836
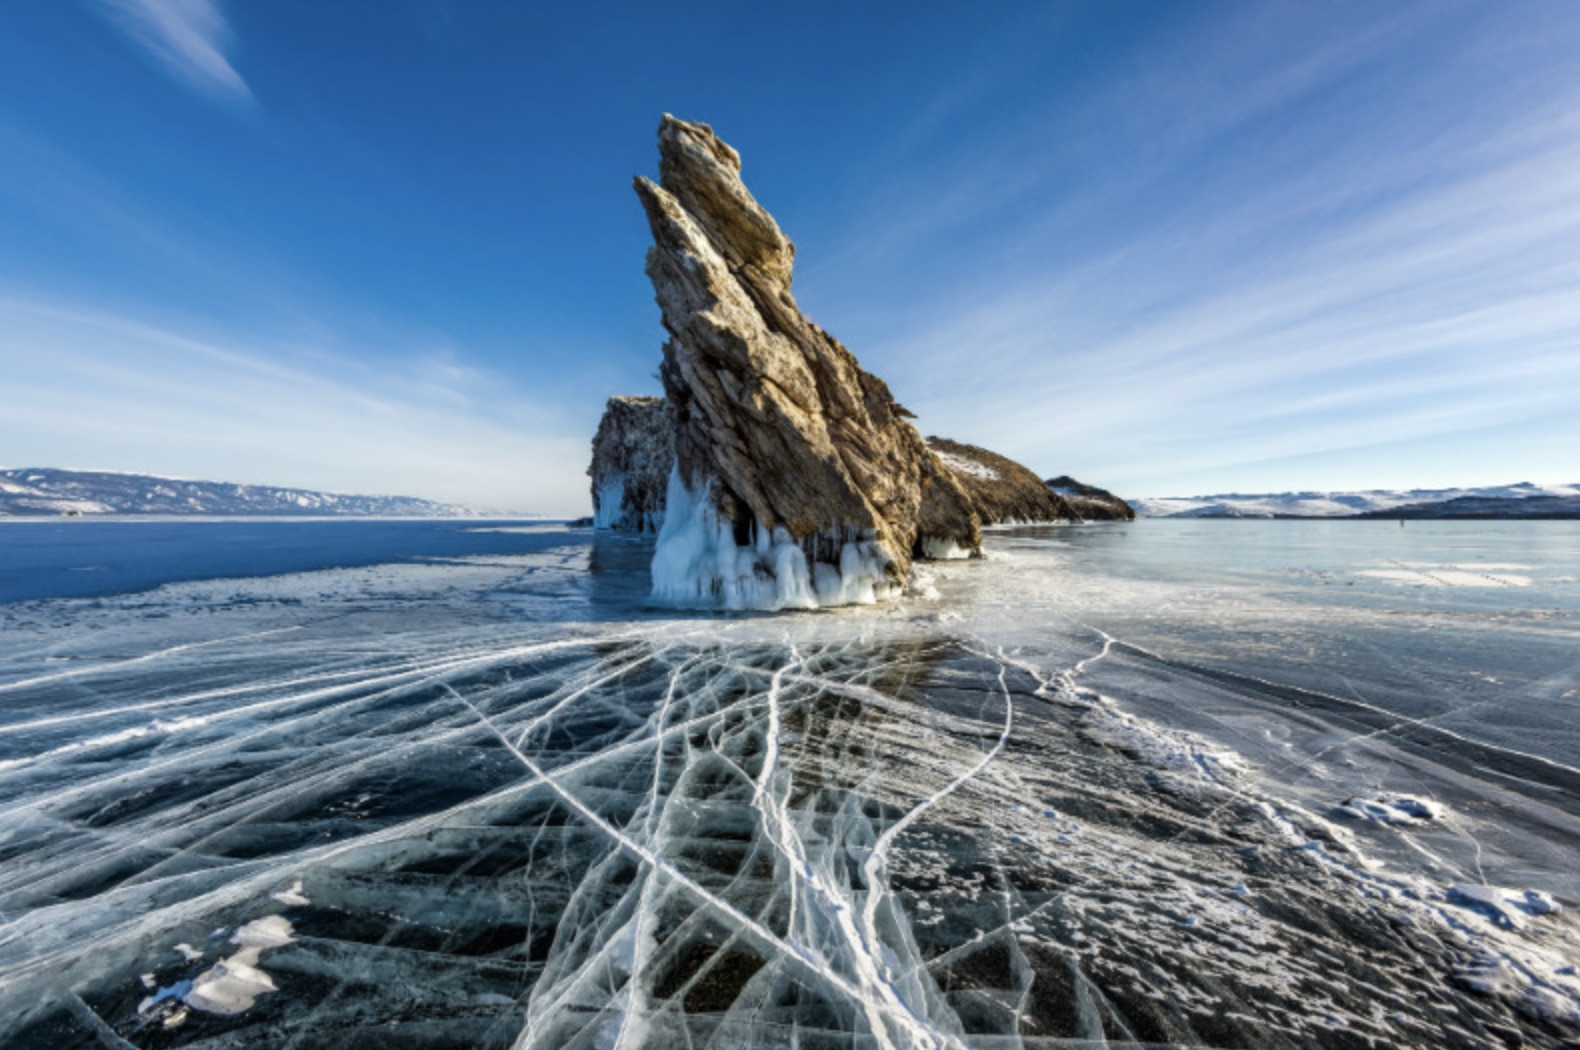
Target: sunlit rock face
633,454
1089,502
1001,490
798,482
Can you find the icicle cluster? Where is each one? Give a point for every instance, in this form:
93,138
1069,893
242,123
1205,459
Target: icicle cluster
697,561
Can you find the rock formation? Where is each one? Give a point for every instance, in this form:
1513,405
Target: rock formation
797,480
1089,502
633,453
1001,490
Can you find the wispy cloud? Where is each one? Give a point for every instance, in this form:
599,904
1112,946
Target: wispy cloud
93,389
1377,286
189,38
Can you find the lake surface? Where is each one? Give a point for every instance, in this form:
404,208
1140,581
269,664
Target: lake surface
434,784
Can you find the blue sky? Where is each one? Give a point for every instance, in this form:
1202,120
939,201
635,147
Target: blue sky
1169,248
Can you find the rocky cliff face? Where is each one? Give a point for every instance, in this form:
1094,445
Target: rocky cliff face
1089,502
798,482
633,453
1000,489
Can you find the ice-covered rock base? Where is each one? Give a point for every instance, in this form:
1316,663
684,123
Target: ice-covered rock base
698,562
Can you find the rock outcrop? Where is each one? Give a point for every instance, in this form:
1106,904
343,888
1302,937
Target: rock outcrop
633,454
1089,502
797,481
1001,490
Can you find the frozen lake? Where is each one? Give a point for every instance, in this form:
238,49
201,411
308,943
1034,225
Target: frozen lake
457,784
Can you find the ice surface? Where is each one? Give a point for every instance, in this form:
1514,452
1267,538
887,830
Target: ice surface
1075,800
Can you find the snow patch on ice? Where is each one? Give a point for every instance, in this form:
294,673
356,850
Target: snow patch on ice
1393,809
1511,909
1427,575
233,985
1191,764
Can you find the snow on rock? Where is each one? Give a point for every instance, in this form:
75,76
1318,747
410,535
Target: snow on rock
777,429
1000,489
962,465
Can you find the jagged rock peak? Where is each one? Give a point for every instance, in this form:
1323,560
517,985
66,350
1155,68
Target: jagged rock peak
704,175
801,482
633,454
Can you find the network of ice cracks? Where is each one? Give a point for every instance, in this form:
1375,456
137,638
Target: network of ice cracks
821,833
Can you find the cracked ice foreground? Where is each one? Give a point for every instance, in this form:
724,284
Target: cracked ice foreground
500,802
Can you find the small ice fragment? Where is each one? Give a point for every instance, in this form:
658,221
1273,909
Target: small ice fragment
1508,908
148,980
291,897
1539,903
1239,890
175,991
1393,809
271,931
188,953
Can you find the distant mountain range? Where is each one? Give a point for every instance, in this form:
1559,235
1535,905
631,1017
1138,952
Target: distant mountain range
45,491
1523,500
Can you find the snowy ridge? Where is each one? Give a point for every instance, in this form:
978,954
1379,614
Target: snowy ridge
1336,504
48,491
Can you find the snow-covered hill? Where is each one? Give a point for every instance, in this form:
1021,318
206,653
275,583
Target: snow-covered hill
47,491
1521,500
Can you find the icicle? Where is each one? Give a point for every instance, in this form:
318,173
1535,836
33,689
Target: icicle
697,561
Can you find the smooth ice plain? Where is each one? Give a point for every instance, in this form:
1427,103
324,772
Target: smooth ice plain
1207,784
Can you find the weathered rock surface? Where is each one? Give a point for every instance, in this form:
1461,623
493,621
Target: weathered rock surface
1001,490
633,453
798,482
1089,502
